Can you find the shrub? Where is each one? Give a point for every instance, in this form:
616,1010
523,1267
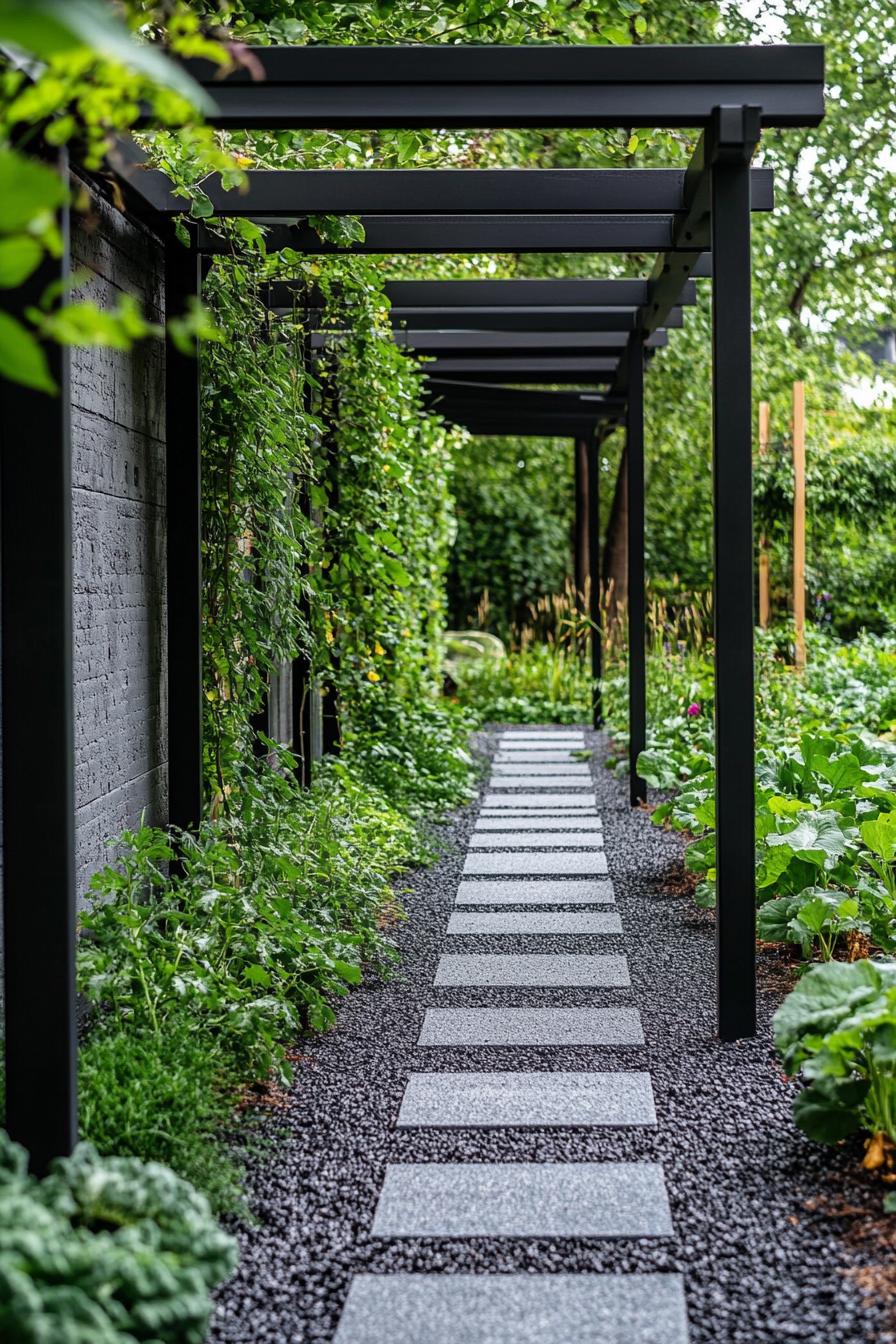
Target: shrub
837,1029
105,1251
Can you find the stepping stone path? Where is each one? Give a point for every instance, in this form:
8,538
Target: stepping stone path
534,846
537,840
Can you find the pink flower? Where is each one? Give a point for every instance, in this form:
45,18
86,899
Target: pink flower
693,711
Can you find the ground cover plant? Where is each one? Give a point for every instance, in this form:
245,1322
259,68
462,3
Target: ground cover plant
105,1251
825,856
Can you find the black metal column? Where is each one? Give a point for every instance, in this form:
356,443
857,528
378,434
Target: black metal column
730,142
594,596
580,536
39,909
184,504
637,603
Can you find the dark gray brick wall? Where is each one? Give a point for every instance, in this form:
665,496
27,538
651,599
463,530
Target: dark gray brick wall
118,405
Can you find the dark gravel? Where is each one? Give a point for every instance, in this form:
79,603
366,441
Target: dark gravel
775,1236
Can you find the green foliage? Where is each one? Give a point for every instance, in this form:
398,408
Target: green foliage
513,501
86,81
165,1094
838,1030
276,907
825,788
105,1251
540,683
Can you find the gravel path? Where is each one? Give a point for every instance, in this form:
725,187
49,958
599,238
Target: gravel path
775,1237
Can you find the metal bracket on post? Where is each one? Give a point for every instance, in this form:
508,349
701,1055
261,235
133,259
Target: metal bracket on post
731,140
637,602
183,459
39,906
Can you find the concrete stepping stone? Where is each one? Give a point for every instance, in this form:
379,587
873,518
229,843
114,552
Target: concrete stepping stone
532,781
473,922
539,970
529,823
525,1100
539,839
408,1308
527,818
574,771
567,891
547,736
526,801
531,1026
586,863
543,756
523,1199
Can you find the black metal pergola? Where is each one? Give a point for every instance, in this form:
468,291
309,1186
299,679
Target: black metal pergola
696,219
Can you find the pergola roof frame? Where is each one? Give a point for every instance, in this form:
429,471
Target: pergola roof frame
728,92
531,86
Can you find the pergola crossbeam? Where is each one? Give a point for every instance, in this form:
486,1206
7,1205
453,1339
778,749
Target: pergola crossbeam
434,235
537,86
497,344
292,194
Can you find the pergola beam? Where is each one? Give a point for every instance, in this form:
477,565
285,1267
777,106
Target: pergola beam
591,293
498,344
426,235
565,402
417,320
541,370
469,86
299,193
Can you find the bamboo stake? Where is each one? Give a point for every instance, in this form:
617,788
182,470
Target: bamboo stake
799,521
764,428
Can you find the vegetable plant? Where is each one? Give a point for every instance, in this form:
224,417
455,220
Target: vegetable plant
837,1030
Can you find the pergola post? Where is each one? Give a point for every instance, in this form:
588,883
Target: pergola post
184,507
637,603
39,905
594,592
731,139
580,540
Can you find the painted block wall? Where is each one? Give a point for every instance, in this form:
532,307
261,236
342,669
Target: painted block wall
118,477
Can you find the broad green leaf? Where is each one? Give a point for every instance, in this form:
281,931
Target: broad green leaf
27,189
880,835
19,257
50,27
825,996
773,864
787,807
774,919
257,975
842,772
819,838
22,359
827,1110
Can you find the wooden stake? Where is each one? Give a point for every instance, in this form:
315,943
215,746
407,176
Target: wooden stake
799,521
764,608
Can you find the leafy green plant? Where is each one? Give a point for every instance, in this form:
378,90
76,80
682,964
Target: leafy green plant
837,1029
168,1095
105,1251
270,916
